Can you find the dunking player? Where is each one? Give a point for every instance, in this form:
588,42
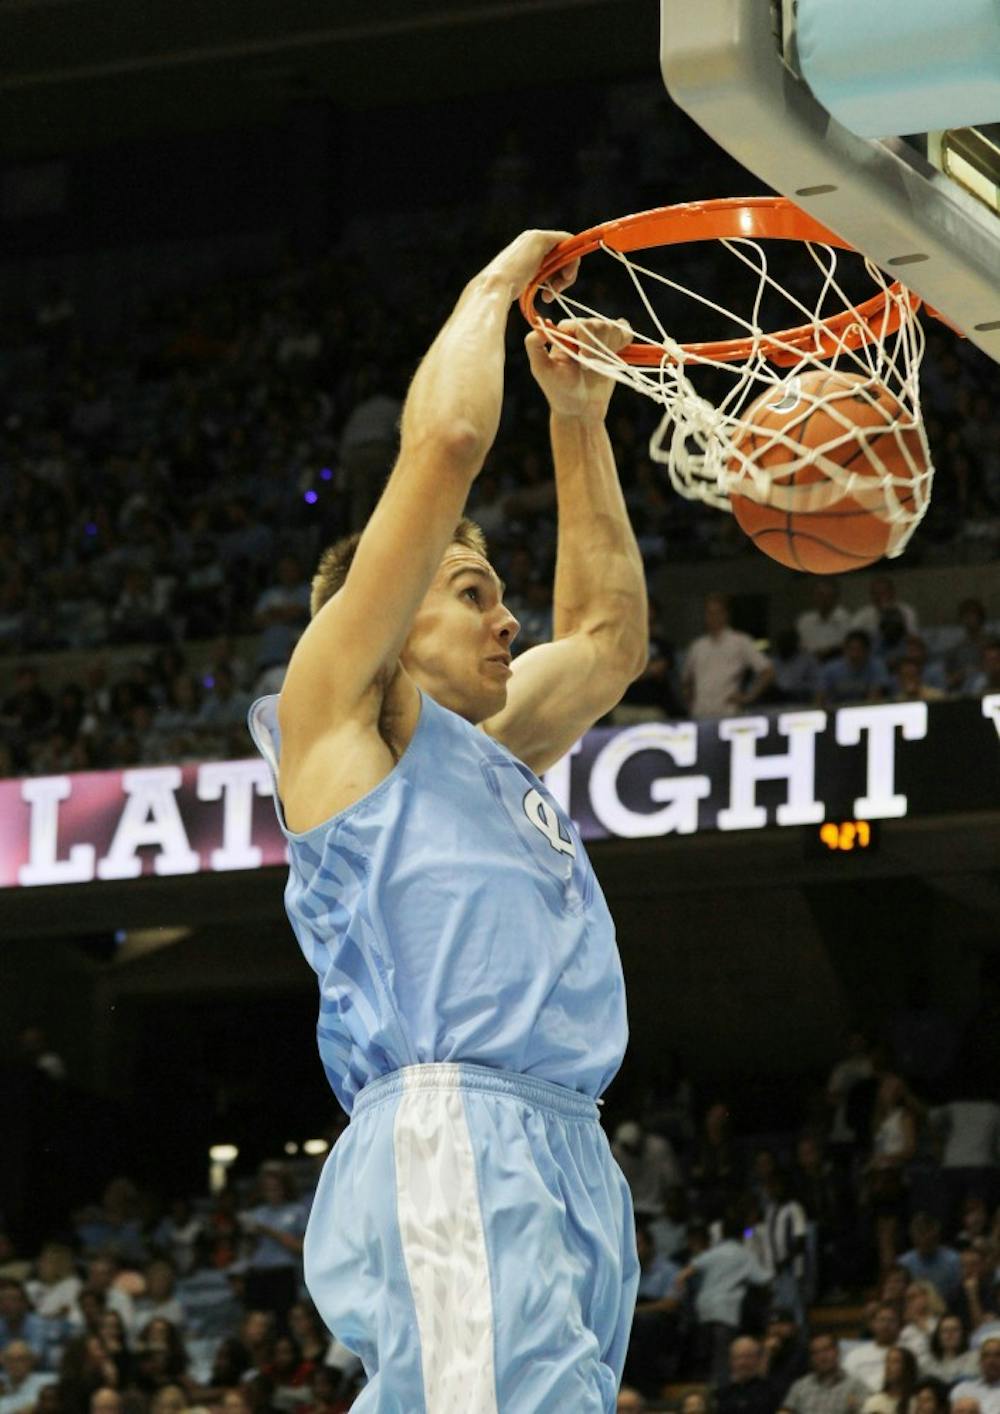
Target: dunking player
471,1237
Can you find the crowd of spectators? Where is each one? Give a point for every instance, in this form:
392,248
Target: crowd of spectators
848,1266
831,656
169,488
851,1266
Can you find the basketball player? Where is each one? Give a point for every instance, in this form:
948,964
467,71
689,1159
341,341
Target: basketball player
471,1237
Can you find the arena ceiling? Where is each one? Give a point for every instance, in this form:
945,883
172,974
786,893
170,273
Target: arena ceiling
81,73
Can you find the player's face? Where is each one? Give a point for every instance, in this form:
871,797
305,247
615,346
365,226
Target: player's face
458,649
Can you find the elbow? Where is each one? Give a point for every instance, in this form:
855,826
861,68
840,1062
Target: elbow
455,444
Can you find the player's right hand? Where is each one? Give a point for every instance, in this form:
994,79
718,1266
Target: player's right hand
519,261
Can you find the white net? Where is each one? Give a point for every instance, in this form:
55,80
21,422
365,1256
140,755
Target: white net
712,446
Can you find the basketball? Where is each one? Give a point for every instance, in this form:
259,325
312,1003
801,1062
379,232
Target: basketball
825,531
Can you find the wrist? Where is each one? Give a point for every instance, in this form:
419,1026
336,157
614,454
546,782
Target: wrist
492,283
589,419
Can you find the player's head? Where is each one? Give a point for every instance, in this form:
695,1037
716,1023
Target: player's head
459,645
857,647
716,612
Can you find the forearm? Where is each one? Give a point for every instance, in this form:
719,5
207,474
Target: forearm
600,581
457,391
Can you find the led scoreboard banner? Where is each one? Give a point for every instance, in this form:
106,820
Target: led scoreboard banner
837,773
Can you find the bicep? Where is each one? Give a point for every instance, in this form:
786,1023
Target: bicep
556,692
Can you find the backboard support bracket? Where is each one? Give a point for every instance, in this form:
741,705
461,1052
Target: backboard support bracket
730,65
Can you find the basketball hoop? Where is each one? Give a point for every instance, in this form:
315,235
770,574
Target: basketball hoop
709,447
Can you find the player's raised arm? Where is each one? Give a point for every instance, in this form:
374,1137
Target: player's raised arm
600,615
449,421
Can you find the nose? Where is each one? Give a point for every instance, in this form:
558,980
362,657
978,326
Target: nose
509,627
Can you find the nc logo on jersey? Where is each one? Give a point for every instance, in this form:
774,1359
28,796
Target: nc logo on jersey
545,819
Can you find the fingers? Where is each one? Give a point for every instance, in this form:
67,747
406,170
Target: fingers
609,335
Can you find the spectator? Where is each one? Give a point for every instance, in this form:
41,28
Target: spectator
783,1353
21,1383
923,1307
225,705
883,600
949,1358
855,1067
897,1384
307,1328
55,1287
785,1219
368,444
158,1298
814,1182
796,672
654,1344
288,1375
866,1361
974,1226
985,1388
281,613
178,1235
970,1159
714,1172
930,1396
113,1337
669,1231
100,1284
630,1401
718,663
747,1390
976,1302
161,1357
18,1322
987,679
910,685
822,629
113,1226
649,1164
725,1274
928,1260
276,1226
85,1368
963,658
894,1142
856,676
827,1389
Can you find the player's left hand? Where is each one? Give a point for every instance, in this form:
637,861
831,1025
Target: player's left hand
571,389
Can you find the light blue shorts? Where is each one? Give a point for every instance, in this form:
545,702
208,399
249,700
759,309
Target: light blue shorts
472,1240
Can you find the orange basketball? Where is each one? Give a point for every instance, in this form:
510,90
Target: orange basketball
826,532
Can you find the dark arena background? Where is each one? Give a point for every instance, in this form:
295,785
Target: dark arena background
227,235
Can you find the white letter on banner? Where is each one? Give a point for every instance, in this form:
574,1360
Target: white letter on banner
557,778
797,766
991,708
43,794
679,741
880,722
150,817
235,782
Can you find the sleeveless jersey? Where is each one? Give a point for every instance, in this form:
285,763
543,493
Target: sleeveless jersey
452,915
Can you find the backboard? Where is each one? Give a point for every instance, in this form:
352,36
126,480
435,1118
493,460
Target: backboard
924,207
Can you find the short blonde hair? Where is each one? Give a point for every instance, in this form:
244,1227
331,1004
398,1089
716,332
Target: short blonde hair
336,560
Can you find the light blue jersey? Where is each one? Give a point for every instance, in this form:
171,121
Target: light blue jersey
452,915
471,1237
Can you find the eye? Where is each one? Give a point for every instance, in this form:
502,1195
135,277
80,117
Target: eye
474,592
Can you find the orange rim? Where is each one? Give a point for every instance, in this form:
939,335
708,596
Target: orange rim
755,217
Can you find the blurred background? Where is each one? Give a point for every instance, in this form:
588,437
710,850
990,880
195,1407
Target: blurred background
226,238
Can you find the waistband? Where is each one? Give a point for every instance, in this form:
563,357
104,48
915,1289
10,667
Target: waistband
484,1079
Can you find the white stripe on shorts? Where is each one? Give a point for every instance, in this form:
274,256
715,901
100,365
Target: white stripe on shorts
441,1227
